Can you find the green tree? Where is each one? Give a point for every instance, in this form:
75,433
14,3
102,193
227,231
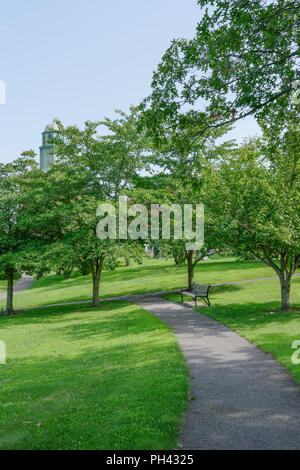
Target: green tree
102,165
243,60
254,198
18,250
79,241
89,170
173,190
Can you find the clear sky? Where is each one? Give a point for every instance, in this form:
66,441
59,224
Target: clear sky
79,60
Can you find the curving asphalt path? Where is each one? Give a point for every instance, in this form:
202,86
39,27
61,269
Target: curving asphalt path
242,397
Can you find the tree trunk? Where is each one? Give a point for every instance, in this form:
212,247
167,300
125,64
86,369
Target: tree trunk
285,272
189,257
96,289
68,273
127,261
285,285
96,280
176,258
10,293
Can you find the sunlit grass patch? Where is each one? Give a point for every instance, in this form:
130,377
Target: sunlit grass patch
153,275
84,378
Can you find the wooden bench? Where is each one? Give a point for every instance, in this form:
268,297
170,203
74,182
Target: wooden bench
198,291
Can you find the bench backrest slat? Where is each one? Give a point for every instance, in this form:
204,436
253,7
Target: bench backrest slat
200,289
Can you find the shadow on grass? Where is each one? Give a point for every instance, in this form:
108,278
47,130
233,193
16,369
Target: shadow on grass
225,288
54,314
95,379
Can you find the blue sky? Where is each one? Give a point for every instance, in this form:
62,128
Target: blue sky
79,60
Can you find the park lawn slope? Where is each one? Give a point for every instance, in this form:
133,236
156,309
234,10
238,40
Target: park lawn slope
153,275
78,377
246,308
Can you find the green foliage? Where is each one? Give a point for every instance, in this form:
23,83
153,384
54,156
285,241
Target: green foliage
100,165
18,247
242,60
254,199
89,169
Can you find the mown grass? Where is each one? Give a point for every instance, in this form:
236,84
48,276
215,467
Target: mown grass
246,308
153,275
114,378
77,377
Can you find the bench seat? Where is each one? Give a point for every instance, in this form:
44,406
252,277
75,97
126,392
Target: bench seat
198,291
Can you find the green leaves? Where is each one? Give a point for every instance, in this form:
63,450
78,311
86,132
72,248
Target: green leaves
254,199
242,60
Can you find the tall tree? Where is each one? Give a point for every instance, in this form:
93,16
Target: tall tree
243,60
18,251
254,197
90,170
173,191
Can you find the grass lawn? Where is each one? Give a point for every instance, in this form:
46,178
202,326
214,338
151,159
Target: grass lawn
246,309
153,275
114,378
84,378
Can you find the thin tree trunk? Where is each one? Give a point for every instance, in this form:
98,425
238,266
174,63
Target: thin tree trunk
285,272
10,293
127,261
96,280
189,257
96,289
191,276
68,273
285,285
176,258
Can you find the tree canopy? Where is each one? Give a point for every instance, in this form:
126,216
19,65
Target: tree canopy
243,60
254,196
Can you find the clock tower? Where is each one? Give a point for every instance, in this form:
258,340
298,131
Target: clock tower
47,148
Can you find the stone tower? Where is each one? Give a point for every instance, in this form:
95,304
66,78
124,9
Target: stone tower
46,149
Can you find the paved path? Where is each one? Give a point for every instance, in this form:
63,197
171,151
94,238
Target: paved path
244,399
156,294
20,285
250,280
